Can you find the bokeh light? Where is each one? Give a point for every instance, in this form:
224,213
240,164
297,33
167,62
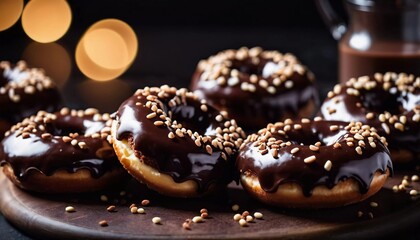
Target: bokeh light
10,11
52,57
46,20
106,50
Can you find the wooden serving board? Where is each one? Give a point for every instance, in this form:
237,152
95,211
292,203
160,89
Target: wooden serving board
45,217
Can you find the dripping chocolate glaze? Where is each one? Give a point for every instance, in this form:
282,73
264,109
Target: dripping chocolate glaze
377,100
288,167
253,110
50,155
48,99
179,157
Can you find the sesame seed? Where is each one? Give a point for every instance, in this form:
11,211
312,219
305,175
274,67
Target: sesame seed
219,118
399,126
385,127
235,207
258,215
103,223
104,198
171,135
237,217
70,209
358,136
133,210
415,178
140,210
158,123
145,202
82,145
156,220
333,128
209,149
288,84
294,150
373,204
359,214
151,115
336,145
297,126
186,226
203,108
46,136
359,150
111,208
305,120
243,222
310,159
413,192
370,115
74,142
313,148
249,218
204,215
328,165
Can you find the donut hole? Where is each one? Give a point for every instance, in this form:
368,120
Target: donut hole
191,117
246,66
64,129
373,101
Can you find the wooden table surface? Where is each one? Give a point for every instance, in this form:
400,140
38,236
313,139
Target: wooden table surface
44,216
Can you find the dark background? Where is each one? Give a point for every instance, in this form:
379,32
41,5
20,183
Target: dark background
174,35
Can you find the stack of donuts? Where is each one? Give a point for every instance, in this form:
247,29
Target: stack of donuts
249,115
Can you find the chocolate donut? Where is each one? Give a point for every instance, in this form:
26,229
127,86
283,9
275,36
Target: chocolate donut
174,143
314,164
68,148
23,92
389,102
256,87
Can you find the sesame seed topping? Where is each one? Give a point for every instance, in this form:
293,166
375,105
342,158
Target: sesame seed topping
70,209
235,207
313,148
151,115
328,165
309,159
258,215
333,128
103,223
156,220
197,219
243,223
158,123
111,208
359,150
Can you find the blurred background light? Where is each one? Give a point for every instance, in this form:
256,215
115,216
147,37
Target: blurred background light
106,50
46,20
52,57
10,11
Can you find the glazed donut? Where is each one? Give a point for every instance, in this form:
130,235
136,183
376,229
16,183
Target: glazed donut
23,92
256,87
68,148
175,143
389,102
314,164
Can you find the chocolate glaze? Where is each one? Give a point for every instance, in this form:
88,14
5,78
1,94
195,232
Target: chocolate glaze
378,101
49,155
179,157
253,110
287,167
48,99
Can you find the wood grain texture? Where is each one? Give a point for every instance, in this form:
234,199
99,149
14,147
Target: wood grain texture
45,217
